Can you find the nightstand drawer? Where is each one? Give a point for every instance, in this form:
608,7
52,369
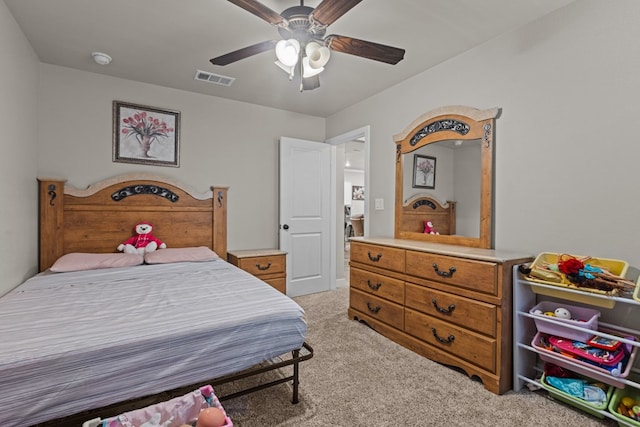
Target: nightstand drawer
260,266
278,283
269,265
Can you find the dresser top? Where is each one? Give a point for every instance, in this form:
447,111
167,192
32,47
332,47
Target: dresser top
492,255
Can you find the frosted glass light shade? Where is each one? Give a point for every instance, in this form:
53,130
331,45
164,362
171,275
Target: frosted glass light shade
287,52
287,69
308,70
318,55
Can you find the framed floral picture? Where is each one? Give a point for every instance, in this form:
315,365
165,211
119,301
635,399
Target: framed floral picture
357,192
424,172
145,135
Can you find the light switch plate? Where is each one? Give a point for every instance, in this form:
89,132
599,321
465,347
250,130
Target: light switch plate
379,204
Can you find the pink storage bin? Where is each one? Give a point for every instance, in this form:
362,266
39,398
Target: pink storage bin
584,368
179,410
581,317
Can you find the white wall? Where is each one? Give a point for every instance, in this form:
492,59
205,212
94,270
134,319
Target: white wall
222,142
566,146
18,163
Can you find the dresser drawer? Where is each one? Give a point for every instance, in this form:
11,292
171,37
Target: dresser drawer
479,276
472,314
460,342
262,265
381,309
377,284
378,256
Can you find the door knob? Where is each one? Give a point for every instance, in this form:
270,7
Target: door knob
286,226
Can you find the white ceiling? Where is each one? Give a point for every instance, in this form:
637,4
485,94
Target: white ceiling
164,42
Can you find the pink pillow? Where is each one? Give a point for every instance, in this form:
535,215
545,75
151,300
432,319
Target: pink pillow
77,261
191,254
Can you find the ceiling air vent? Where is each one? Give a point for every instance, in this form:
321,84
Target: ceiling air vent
214,78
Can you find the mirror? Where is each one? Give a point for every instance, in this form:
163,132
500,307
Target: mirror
444,175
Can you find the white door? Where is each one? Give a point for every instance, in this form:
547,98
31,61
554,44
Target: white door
305,214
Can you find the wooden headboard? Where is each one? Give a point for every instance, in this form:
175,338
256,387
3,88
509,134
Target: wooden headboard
421,208
100,217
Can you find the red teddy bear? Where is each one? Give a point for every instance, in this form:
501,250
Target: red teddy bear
142,242
428,228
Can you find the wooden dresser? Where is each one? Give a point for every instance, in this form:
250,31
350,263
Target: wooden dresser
449,303
269,265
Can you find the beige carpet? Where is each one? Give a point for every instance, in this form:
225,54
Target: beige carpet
359,378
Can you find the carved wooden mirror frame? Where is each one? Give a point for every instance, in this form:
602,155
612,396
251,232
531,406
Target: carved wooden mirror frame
450,123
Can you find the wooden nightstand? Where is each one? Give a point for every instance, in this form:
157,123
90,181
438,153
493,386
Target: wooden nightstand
269,265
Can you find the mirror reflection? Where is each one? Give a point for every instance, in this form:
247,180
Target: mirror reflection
449,171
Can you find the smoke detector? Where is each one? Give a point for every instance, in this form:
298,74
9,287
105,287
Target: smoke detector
101,58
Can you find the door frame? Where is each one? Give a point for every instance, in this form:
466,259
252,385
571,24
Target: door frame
338,247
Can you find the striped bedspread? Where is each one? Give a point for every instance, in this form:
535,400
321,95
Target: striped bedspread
83,340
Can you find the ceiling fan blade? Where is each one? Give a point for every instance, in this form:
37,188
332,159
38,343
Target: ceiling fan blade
328,11
310,83
260,10
365,49
243,53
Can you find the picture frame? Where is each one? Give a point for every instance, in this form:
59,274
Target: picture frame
357,192
424,172
145,135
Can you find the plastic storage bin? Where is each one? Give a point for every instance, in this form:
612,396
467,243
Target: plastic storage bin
584,368
182,409
615,266
581,317
615,401
589,407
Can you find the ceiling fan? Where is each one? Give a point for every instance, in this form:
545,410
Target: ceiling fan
304,44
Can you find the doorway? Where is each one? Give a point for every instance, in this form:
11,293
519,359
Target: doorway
341,194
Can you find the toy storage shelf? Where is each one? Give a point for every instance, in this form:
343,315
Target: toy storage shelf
617,315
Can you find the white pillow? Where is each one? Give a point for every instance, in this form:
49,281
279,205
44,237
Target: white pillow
78,261
190,254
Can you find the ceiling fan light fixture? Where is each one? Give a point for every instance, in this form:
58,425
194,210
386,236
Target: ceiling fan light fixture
288,51
318,55
308,70
287,69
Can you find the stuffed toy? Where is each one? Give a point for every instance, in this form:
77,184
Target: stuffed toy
428,228
142,242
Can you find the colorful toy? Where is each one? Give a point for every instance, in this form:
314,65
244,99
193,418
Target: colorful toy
142,242
428,228
562,313
211,417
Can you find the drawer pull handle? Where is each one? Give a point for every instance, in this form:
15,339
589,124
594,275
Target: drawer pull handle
374,258
447,310
444,273
372,308
374,286
263,268
447,340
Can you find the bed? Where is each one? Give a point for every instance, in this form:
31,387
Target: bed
421,208
89,337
